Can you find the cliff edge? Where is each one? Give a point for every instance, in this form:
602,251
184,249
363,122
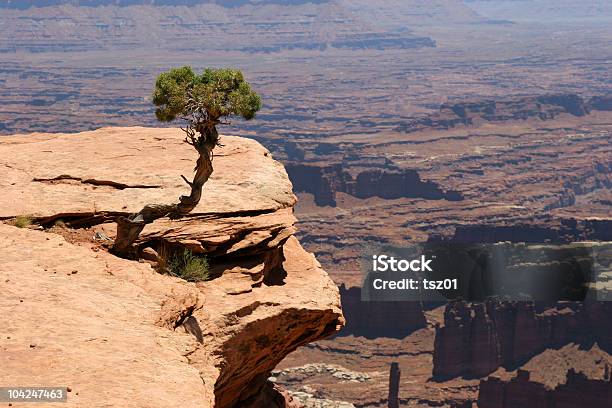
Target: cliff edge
115,331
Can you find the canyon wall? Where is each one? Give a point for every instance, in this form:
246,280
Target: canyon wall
325,181
578,391
538,229
478,338
474,112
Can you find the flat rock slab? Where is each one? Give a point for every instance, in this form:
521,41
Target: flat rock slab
119,170
246,206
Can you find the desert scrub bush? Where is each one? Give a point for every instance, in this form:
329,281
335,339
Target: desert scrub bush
22,221
185,265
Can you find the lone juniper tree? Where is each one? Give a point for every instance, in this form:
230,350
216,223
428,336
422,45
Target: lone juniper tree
202,102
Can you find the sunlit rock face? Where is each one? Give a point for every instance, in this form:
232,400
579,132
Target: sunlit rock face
116,331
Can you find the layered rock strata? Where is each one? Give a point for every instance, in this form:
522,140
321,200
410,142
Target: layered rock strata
549,381
325,182
542,107
476,339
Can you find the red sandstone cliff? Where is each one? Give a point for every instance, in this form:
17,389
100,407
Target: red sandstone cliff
117,332
478,338
566,378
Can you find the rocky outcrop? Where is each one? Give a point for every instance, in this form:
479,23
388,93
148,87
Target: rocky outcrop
117,332
474,348
395,373
548,382
89,321
245,213
478,338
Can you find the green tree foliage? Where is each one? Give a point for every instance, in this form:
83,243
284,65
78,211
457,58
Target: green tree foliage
204,100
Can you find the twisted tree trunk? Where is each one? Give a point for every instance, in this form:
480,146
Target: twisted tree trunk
129,228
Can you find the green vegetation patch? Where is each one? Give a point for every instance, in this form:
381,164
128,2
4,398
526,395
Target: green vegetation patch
21,221
185,265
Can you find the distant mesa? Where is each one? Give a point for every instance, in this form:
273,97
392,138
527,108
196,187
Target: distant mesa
247,25
473,112
24,4
356,42
543,11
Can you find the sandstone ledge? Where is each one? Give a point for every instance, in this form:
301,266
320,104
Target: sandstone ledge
84,179
120,334
118,170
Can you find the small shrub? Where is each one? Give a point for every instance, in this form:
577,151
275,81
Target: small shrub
22,221
184,264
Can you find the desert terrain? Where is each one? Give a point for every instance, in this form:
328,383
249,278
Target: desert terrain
397,122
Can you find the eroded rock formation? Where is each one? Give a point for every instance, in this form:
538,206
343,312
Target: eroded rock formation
119,333
395,373
548,381
478,338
